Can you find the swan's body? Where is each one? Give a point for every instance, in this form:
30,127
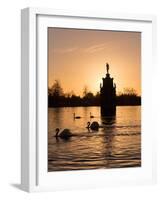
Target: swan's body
91,116
93,126
65,134
76,117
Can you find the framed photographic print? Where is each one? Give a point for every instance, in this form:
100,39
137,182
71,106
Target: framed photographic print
86,99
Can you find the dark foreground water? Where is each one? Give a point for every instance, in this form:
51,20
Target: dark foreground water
116,145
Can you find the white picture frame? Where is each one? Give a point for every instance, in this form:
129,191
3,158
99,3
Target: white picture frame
34,23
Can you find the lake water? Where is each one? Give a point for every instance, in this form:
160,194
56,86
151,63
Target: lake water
117,144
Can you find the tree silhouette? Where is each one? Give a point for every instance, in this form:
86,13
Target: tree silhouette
89,95
128,97
56,89
130,91
85,90
55,95
57,98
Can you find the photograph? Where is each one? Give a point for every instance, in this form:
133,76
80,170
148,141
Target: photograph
94,99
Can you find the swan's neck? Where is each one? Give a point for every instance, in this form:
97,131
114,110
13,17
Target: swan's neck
88,125
57,132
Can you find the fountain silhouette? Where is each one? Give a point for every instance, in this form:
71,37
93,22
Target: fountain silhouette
108,95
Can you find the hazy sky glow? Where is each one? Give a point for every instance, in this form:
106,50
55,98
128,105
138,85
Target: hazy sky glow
78,57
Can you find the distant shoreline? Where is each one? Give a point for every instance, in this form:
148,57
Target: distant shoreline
87,106
75,101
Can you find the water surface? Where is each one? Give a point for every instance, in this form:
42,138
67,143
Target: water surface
116,145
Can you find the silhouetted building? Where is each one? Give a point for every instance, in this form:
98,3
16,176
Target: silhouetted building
108,95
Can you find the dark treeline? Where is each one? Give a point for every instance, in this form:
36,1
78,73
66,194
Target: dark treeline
57,98
128,97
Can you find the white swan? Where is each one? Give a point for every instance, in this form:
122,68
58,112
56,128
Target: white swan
65,134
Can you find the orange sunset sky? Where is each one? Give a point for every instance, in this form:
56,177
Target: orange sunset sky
77,58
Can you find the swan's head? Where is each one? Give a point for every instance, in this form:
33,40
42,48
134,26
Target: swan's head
88,124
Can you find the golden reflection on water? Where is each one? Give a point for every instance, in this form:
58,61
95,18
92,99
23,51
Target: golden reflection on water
117,144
